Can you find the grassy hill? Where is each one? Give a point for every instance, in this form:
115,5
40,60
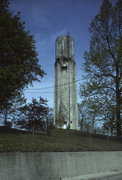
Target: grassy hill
12,140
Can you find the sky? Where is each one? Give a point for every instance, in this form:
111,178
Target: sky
48,19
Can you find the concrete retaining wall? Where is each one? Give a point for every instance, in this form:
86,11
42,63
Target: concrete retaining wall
52,166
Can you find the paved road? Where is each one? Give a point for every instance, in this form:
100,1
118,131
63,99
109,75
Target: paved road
118,177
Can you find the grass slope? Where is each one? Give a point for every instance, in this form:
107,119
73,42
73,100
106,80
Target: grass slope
12,140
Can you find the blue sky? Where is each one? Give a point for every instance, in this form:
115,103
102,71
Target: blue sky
48,19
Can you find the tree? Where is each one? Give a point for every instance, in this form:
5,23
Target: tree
19,64
98,108
10,113
83,119
33,115
90,111
103,62
49,121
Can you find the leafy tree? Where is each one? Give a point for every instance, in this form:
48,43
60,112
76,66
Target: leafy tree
83,117
33,115
98,108
82,111
103,62
19,64
90,112
11,110
49,121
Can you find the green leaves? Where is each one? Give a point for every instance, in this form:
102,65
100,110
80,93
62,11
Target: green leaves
103,62
34,114
19,64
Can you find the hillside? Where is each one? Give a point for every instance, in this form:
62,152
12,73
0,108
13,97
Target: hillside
12,140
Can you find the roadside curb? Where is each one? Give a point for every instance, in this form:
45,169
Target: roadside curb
97,176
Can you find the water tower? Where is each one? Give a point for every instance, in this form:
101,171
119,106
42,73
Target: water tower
65,103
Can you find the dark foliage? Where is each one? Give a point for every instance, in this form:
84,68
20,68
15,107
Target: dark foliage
19,64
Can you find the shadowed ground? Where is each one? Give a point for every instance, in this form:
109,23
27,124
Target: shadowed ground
12,140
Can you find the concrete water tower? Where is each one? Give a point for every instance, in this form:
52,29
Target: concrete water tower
65,103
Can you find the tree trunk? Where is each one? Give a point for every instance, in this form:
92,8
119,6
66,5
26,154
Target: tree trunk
5,117
118,102
118,116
